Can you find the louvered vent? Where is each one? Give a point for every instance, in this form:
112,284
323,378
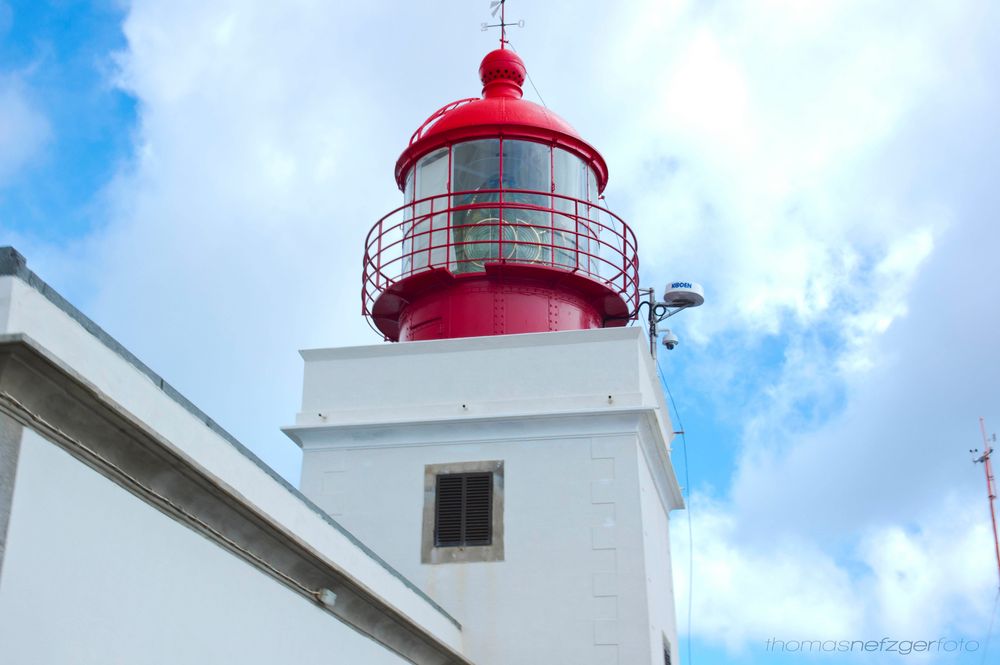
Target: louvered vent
463,509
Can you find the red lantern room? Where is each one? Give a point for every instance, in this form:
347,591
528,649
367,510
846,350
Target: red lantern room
501,231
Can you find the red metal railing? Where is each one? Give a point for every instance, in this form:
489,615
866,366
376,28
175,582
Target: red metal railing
463,231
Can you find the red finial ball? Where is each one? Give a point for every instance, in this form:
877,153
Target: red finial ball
502,73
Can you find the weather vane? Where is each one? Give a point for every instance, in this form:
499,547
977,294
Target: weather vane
498,6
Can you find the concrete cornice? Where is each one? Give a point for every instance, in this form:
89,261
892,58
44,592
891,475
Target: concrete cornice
530,424
644,421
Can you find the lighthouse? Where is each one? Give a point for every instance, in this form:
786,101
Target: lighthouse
501,230
508,449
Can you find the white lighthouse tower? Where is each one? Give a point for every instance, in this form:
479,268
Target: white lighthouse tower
509,454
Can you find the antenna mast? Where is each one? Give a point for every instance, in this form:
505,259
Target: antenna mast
990,486
503,23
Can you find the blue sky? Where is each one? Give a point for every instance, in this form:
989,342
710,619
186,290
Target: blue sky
59,55
198,178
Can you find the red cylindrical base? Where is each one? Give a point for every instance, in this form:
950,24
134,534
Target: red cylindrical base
481,306
504,300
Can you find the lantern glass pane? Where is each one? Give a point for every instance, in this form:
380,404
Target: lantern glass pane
475,224
527,237
569,234
429,232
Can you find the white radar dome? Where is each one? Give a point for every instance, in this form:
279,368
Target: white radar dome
683,294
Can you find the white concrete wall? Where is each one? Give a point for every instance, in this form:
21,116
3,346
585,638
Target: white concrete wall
581,428
93,575
571,587
658,569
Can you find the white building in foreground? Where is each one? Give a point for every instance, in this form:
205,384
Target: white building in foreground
494,489
134,530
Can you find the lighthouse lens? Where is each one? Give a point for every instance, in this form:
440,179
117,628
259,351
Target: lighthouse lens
510,200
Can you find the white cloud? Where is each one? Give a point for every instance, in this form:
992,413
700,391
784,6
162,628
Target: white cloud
770,119
809,166
909,583
24,130
826,169
743,595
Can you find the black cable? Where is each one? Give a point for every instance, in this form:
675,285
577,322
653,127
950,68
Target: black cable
528,74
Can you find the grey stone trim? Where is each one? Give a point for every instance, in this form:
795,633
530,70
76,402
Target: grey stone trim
37,390
494,552
10,448
13,263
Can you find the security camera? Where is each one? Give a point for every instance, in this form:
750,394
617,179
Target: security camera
670,340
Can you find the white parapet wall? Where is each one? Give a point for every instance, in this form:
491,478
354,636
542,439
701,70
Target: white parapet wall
575,425
94,575
134,529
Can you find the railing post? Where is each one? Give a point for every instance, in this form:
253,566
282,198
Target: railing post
430,234
450,231
625,260
576,229
500,223
378,261
552,217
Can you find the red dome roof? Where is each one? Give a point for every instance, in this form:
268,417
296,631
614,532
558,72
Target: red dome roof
501,112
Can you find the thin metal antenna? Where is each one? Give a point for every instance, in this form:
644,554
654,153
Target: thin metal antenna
499,6
990,486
